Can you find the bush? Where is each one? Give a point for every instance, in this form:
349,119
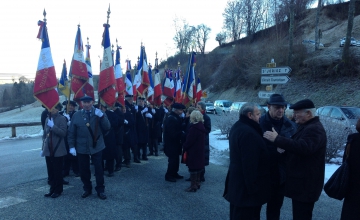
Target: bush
336,139
224,122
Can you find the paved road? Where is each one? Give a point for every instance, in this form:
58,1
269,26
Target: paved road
139,192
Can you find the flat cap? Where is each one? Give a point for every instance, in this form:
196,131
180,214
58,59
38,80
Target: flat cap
73,103
178,106
277,99
303,104
59,106
141,98
86,98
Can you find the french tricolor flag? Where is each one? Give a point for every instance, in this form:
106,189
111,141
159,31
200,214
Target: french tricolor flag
107,83
45,80
119,78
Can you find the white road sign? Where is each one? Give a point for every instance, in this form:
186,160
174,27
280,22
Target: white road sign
274,79
276,70
265,95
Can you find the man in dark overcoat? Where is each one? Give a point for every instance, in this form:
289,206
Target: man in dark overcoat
247,185
305,159
86,140
129,134
143,119
172,141
109,153
154,130
276,119
130,107
119,134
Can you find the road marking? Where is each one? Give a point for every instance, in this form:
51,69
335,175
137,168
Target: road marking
47,187
9,201
36,149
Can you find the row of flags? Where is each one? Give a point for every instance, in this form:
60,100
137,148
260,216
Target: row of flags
113,85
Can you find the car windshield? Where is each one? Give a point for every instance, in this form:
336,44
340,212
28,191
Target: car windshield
227,104
209,104
351,113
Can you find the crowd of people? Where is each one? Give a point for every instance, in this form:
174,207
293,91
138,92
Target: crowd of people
111,137
272,157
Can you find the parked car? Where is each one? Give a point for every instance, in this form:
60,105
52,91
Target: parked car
352,41
222,105
236,106
210,107
312,42
344,116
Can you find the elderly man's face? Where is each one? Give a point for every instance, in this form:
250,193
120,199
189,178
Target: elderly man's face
302,116
87,105
276,111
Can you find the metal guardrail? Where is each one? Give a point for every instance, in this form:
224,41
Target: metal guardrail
14,125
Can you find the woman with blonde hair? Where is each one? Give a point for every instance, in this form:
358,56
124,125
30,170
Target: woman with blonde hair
194,148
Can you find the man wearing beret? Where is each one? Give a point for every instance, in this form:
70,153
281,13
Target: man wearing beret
305,160
275,118
86,141
172,141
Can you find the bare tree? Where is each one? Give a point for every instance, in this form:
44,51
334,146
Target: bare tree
253,15
346,51
183,34
201,36
291,31
317,31
233,23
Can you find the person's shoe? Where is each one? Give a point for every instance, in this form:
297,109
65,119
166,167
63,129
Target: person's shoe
137,161
170,179
111,174
117,169
179,176
188,179
156,154
127,165
150,154
145,158
48,194
65,182
102,196
76,174
55,195
86,194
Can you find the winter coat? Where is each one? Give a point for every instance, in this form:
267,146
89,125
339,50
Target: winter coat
248,179
207,125
305,161
130,135
172,135
119,130
110,136
155,125
194,146
277,160
142,126
350,209
54,137
79,135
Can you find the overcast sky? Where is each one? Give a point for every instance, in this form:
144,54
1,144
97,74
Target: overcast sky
131,22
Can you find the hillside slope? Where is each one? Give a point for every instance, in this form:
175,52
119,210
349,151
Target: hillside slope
312,77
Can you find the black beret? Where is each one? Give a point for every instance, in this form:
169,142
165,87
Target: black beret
73,103
178,106
59,106
128,96
303,104
86,98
